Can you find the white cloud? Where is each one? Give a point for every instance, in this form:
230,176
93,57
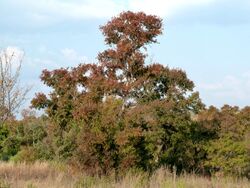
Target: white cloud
165,7
53,10
13,55
233,90
13,51
72,56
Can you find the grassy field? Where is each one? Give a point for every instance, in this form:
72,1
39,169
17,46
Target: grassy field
45,175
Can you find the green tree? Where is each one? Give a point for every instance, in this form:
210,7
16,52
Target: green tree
228,146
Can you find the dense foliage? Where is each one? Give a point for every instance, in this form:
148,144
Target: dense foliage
123,113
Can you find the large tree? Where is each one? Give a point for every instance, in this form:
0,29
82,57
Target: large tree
128,113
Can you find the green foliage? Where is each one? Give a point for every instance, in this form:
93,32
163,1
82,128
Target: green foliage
19,139
10,147
229,156
26,154
4,133
228,150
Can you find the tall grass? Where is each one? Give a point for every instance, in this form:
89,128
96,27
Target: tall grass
46,175
39,174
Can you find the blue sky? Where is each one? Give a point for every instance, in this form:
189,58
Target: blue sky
209,39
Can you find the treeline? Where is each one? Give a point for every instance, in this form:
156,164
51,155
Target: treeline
121,113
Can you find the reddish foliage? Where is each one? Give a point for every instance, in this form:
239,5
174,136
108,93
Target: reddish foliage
121,105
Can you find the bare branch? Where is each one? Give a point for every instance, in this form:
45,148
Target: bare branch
12,95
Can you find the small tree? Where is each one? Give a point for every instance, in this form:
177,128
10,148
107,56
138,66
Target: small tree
12,95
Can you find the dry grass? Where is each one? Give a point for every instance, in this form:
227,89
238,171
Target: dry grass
34,175
45,175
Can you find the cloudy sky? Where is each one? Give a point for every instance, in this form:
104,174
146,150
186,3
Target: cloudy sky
209,39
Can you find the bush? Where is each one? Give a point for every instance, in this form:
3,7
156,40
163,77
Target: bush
26,154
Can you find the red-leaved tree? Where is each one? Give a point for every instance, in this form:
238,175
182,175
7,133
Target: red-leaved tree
122,112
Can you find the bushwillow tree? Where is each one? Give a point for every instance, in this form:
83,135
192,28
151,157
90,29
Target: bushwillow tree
127,113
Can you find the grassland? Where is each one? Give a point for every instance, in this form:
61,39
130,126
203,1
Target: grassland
46,175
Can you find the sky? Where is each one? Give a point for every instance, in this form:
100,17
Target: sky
209,39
